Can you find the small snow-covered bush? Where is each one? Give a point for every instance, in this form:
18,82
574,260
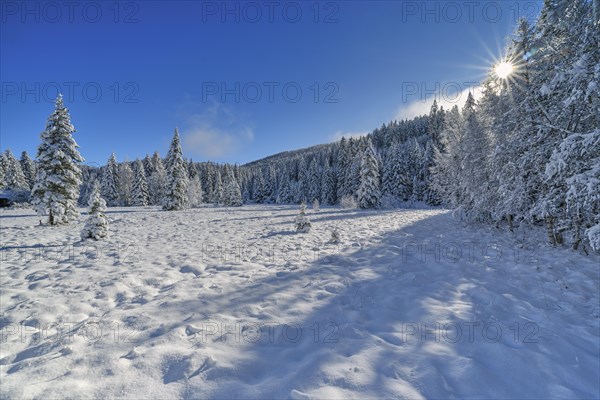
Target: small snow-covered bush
302,221
96,226
315,205
348,202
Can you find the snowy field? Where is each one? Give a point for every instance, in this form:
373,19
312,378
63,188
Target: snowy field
232,303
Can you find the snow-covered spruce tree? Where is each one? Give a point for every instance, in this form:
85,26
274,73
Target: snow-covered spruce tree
435,124
125,184
208,176
328,185
284,195
270,187
571,106
510,113
447,167
314,180
195,191
96,225
342,165
177,179
28,167
259,190
217,194
353,172
89,176
139,190
577,163
110,181
474,176
14,178
389,160
3,167
369,191
429,195
302,221
231,194
303,180
157,181
58,175
148,166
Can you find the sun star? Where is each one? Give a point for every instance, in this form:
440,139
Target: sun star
503,69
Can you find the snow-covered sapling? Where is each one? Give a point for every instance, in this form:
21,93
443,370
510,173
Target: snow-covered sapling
96,226
302,221
335,235
315,205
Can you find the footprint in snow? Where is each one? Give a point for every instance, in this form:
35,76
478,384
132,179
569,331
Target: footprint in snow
134,353
208,363
37,276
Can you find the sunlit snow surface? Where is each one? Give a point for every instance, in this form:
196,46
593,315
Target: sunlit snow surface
232,303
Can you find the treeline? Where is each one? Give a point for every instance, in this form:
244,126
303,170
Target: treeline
527,151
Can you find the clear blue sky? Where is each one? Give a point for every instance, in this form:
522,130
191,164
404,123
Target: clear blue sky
132,73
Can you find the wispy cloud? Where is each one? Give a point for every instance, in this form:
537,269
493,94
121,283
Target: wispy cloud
421,107
215,132
338,135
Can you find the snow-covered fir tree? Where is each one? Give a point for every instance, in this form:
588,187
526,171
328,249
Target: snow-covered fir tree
177,180
139,190
369,190
110,181
58,174
96,225
302,222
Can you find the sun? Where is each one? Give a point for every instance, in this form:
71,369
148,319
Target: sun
503,69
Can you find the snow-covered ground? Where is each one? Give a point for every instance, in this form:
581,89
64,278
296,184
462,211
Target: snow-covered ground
231,303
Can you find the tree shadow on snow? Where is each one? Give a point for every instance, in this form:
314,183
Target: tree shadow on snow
396,319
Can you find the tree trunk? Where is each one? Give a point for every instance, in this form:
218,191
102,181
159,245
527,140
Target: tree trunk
577,239
550,231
